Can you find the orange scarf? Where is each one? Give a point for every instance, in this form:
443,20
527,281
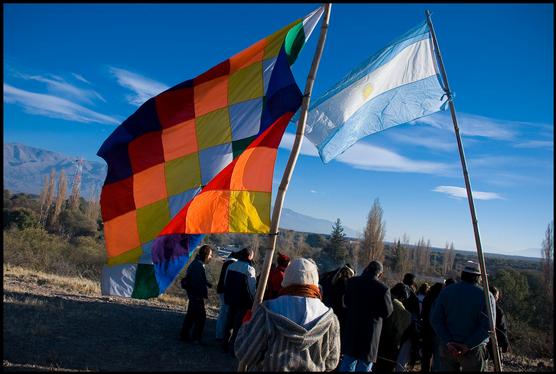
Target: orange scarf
305,290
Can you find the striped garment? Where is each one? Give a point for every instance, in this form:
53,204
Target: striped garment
272,342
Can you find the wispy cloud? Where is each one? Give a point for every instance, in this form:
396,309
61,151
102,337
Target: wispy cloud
80,78
473,125
521,134
497,162
460,193
307,148
59,86
535,144
53,106
313,191
143,88
503,179
424,136
369,157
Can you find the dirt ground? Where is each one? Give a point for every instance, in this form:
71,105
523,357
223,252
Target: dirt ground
51,328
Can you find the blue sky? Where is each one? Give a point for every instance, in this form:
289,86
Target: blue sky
73,72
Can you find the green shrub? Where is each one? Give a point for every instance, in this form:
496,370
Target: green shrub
36,249
514,290
88,255
20,217
528,341
76,223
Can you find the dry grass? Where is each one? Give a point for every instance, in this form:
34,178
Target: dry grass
36,249
79,285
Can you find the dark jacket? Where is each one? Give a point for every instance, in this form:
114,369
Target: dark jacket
460,314
333,290
220,285
501,332
411,304
240,284
393,328
427,332
196,280
325,281
368,302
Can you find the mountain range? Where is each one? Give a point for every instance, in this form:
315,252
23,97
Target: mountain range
292,220
26,167
25,170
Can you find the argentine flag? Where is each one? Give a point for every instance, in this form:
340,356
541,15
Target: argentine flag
397,85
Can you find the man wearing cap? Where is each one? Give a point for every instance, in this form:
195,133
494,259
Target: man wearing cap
295,331
275,277
460,319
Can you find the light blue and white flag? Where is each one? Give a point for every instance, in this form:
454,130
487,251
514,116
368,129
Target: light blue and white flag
397,85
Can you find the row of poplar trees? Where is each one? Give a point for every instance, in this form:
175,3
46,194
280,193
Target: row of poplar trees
53,201
406,258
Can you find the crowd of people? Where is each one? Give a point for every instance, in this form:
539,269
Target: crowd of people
341,321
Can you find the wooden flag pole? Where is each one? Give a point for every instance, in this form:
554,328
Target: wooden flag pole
497,362
291,162
289,167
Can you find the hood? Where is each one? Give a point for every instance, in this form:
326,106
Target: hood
295,333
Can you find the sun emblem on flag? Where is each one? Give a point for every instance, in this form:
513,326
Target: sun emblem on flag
367,90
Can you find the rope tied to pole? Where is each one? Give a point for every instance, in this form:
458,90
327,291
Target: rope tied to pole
451,95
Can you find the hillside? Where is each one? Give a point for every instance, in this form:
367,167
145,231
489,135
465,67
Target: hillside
292,220
26,167
75,329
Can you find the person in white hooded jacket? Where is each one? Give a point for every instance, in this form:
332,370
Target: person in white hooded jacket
295,331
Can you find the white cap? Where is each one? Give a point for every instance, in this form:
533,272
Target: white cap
301,271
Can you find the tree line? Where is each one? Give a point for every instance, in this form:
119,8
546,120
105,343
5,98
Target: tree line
54,210
526,286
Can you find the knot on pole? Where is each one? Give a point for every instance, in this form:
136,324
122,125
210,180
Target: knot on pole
274,233
449,94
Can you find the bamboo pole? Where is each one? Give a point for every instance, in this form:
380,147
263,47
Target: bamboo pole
291,161
290,166
497,362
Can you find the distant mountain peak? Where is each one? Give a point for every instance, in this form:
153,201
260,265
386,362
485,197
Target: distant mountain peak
293,220
25,168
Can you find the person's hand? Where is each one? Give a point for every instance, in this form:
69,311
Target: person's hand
452,349
456,350
464,349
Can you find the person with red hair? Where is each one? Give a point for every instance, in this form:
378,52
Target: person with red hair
276,276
